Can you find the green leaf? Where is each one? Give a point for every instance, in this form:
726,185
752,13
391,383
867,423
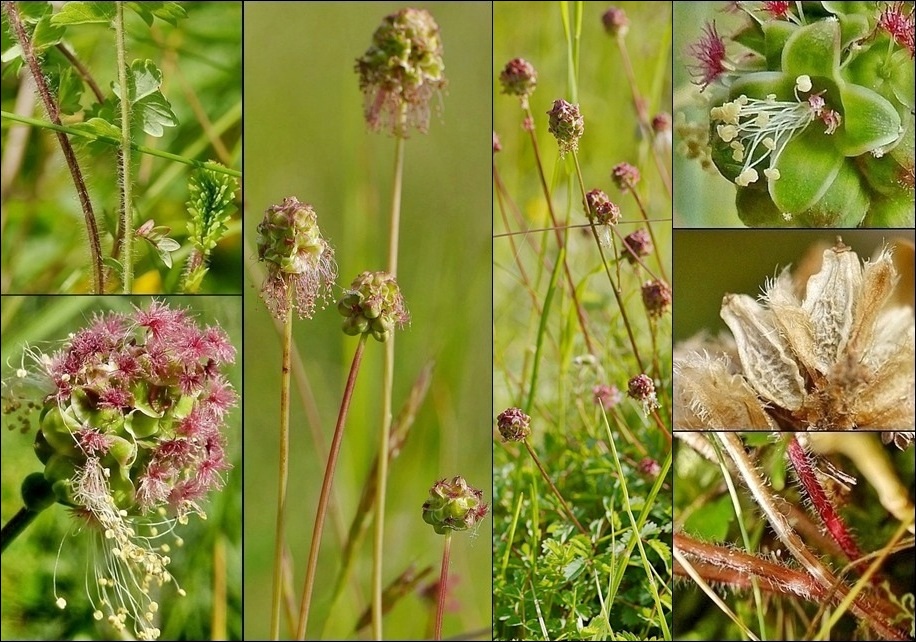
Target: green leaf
32,12
572,570
210,206
145,79
663,550
712,521
12,53
170,12
154,114
150,108
69,92
807,167
869,121
100,127
76,13
46,34
813,50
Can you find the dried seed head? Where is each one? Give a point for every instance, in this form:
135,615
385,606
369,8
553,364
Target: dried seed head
401,71
513,424
615,22
454,505
519,78
567,125
300,263
637,244
373,305
625,176
656,296
600,209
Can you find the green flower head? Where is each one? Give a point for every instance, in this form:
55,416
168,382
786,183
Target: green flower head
454,505
373,305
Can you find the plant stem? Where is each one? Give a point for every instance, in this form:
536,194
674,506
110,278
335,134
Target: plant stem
443,584
645,218
44,92
306,603
13,528
553,488
127,219
378,540
282,471
143,149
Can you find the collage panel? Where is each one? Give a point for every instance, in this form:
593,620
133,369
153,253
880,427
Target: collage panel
122,468
74,153
581,321
792,536
794,114
357,114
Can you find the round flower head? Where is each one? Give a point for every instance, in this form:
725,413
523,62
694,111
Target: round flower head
638,244
374,305
600,209
300,263
625,176
401,71
606,396
513,424
642,389
656,296
649,467
453,505
566,125
131,440
615,22
519,78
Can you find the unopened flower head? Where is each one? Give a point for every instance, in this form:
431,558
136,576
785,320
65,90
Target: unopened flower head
606,395
567,125
300,263
642,389
838,358
454,505
373,305
615,22
513,424
131,436
637,245
401,71
656,296
600,209
519,78
625,176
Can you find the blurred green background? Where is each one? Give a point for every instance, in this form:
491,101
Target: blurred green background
709,263
45,246
28,609
305,136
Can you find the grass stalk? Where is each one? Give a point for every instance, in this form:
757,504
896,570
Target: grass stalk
443,585
554,489
326,484
126,225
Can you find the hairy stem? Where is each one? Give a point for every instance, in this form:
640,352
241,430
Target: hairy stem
443,585
321,513
126,225
17,524
76,174
282,472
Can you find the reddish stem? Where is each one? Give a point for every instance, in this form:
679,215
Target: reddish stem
443,584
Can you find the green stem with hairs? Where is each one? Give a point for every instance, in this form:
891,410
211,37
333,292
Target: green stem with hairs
333,454
127,219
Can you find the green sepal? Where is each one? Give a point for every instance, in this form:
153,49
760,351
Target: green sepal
813,50
844,204
869,121
756,209
58,427
891,212
807,166
776,33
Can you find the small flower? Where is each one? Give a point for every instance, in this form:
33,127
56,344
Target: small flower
656,296
401,71
625,176
649,467
709,52
899,25
606,395
497,146
300,263
661,123
600,209
566,125
637,244
642,389
778,10
615,22
373,305
513,424
519,78
454,505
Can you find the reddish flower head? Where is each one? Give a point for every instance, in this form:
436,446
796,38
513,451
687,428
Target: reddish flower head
709,52
778,10
900,25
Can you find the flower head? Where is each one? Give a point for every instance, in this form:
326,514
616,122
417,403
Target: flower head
837,358
709,52
900,25
606,395
300,263
567,125
649,467
600,209
656,296
637,244
373,305
781,10
642,389
625,176
519,78
454,505
615,22
131,438
513,424
401,71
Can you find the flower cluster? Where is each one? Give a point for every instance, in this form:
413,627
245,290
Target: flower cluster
625,176
300,263
606,395
513,424
615,22
454,505
401,71
131,437
656,296
642,389
519,78
566,124
373,305
637,244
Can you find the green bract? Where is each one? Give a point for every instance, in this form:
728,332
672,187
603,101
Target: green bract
374,305
816,127
453,505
